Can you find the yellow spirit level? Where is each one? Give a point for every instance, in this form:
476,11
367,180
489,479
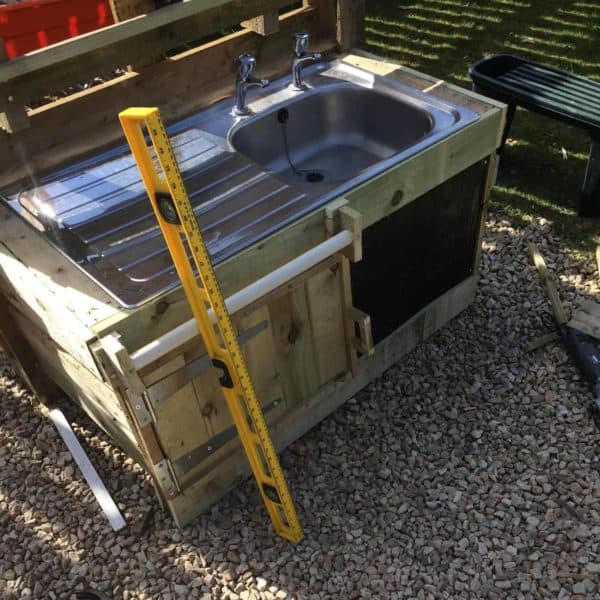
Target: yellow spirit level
175,215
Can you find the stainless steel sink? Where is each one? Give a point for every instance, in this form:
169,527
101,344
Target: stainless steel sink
332,134
345,128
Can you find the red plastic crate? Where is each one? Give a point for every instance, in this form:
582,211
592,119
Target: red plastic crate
27,26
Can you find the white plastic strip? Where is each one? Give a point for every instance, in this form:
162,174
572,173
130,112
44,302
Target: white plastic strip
188,330
89,472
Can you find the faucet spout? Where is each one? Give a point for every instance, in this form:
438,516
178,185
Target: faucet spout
244,81
301,58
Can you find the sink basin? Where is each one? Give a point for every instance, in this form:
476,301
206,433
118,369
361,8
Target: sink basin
332,134
347,126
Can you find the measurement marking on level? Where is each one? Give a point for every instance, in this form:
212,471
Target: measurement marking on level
175,216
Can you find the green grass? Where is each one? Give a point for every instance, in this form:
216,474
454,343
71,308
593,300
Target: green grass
443,37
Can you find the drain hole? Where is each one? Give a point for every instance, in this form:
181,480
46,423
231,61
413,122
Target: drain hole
314,176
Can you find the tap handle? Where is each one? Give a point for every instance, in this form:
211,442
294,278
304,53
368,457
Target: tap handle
300,44
247,64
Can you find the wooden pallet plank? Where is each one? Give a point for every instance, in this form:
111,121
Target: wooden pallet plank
23,359
350,23
294,346
540,264
327,311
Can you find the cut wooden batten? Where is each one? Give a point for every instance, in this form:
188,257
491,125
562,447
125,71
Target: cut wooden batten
350,23
110,509
540,264
266,24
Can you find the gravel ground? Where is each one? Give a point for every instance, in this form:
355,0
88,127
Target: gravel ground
468,470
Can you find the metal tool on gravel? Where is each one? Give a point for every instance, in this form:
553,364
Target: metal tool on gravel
584,353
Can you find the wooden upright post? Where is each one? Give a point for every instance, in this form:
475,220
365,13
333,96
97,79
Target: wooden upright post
350,23
13,118
327,15
23,359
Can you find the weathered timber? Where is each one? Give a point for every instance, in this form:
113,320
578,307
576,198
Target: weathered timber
14,117
558,309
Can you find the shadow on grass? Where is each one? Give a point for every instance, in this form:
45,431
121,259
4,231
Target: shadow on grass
443,37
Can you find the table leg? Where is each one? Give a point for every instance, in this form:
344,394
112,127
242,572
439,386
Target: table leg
590,202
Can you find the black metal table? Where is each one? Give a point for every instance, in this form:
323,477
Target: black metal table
557,94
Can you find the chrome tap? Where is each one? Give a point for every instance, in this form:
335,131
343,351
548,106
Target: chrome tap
245,80
301,58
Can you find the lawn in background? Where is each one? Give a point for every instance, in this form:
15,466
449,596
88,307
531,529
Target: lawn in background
542,168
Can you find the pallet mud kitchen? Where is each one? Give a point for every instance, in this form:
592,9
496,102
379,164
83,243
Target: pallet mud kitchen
332,203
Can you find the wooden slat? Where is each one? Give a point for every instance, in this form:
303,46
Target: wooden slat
294,346
23,359
327,14
123,10
490,177
190,81
25,255
100,38
137,41
540,264
327,314
98,400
